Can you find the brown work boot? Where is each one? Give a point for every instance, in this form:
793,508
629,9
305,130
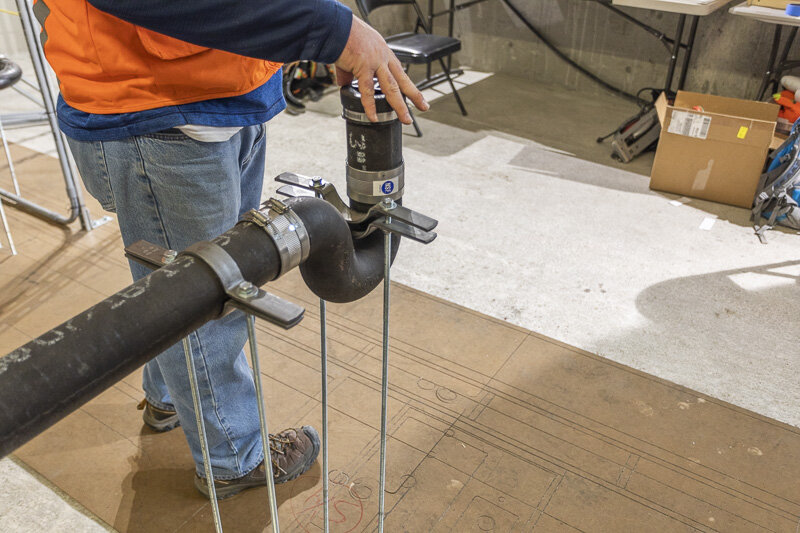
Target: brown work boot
293,452
157,419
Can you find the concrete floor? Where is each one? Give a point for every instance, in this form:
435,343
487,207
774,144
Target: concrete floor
541,228
30,503
492,426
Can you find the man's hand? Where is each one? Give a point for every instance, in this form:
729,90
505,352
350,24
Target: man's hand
365,56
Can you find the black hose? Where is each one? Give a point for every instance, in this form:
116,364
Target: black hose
53,375
553,48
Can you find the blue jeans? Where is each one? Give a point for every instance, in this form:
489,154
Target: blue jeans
171,190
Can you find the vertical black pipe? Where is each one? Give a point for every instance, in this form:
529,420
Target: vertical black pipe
374,150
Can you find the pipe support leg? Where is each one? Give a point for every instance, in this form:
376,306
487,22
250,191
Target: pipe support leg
273,500
201,429
387,250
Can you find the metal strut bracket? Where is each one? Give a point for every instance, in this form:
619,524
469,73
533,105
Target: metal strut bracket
403,222
241,293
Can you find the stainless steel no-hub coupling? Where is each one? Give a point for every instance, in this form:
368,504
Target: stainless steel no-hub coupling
285,229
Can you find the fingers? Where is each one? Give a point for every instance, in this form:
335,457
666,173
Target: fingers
407,86
365,55
391,89
367,90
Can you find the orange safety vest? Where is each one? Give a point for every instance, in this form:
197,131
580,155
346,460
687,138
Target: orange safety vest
106,65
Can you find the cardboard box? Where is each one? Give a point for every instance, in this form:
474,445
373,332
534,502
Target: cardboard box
775,4
715,154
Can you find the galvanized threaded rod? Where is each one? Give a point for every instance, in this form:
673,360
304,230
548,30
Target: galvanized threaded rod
323,340
262,417
387,251
201,429
324,369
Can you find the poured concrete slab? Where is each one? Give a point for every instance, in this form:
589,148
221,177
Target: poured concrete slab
492,427
541,228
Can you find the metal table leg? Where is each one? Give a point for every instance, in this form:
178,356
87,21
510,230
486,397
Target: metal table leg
673,60
273,500
782,63
387,251
201,429
687,55
773,53
451,21
430,30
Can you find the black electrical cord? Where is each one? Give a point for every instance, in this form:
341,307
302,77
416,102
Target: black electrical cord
569,60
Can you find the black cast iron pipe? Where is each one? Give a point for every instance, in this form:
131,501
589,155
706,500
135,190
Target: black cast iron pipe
337,269
53,375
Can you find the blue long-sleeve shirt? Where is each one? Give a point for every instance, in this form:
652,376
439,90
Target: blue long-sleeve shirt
276,30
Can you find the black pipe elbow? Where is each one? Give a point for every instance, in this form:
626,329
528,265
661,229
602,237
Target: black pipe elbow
339,269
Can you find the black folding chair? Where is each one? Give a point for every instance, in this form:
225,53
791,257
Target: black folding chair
418,48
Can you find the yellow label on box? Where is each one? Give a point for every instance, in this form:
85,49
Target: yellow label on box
742,132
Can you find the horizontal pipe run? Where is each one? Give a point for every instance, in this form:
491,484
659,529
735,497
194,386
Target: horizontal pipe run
55,374
51,376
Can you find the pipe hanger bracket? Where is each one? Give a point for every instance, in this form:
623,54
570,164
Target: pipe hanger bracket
242,294
404,221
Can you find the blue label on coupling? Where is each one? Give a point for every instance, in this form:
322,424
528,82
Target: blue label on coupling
384,188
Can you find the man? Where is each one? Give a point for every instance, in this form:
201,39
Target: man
164,105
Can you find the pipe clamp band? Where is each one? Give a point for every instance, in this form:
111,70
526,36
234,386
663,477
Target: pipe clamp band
218,260
370,187
286,230
358,116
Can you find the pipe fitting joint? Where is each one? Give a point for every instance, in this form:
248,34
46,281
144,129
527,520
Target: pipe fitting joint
375,168
287,231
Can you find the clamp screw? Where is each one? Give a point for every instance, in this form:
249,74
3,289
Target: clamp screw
317,181
247,289
169,256
277,206
388,203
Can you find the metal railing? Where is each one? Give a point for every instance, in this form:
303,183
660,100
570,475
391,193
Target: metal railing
77,206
